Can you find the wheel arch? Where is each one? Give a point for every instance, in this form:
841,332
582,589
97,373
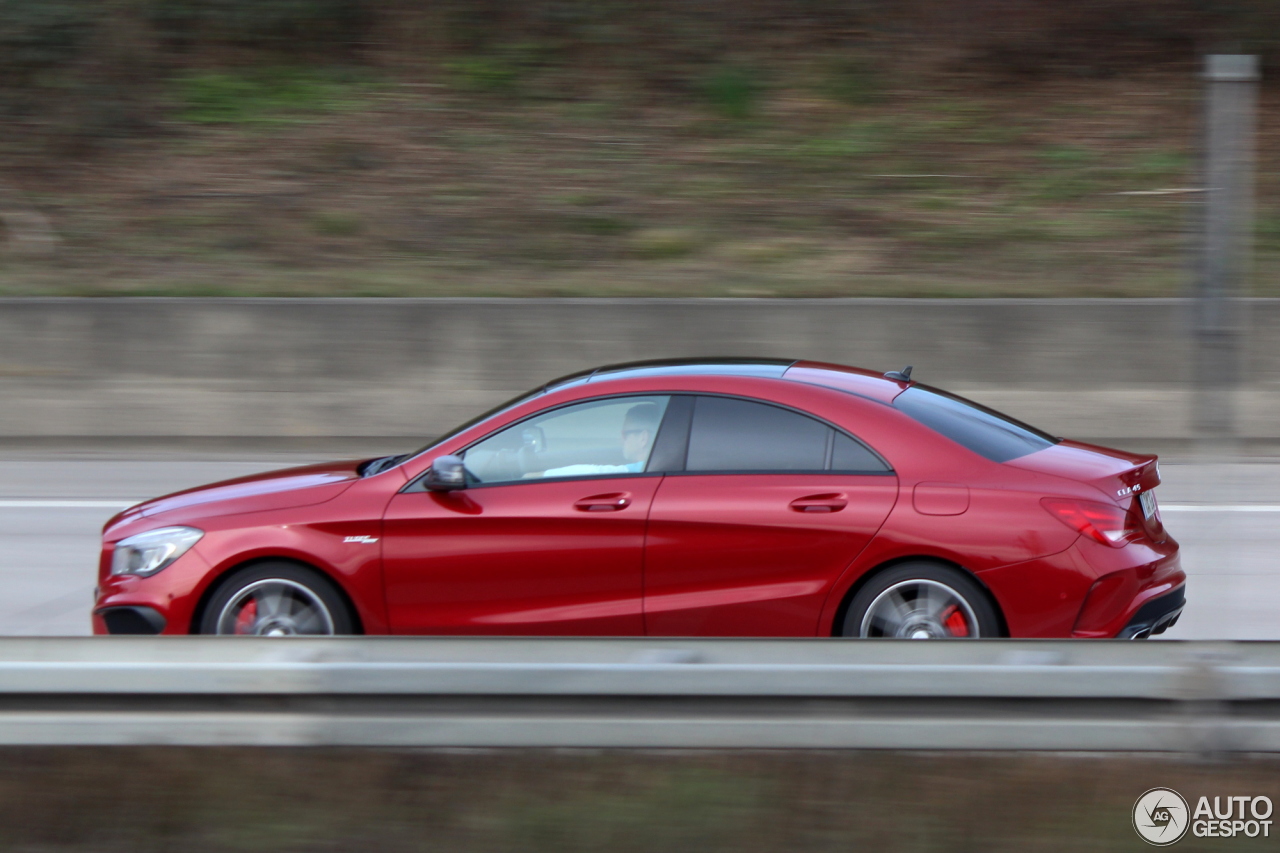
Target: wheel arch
197,615
833,630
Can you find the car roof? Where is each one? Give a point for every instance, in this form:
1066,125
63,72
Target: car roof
767,368
852,380
865,383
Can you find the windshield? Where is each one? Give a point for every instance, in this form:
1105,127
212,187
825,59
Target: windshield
497,410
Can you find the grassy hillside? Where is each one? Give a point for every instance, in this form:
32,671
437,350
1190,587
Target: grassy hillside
841,156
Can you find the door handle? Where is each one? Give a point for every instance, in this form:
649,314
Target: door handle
833,502
611,502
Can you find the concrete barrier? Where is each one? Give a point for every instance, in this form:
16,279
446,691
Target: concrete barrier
1091,368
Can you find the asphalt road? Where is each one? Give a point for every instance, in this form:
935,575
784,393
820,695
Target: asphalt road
53,504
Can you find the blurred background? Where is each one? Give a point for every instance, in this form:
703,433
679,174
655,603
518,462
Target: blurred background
585,801
604,147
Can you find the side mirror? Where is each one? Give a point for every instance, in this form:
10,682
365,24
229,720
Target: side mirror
447,474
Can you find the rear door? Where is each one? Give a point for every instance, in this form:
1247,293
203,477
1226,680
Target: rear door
770,508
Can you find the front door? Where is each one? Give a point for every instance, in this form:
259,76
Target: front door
548,537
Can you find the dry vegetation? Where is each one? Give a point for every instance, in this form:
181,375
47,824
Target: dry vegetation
156,800
810,153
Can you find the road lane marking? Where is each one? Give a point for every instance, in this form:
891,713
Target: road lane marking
37,504
1219,508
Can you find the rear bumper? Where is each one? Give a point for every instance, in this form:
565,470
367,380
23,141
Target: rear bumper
1156,616
1140,589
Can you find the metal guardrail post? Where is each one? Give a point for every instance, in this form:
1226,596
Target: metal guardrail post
1230,116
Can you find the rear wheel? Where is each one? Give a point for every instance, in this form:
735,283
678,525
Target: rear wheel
921,601
277,600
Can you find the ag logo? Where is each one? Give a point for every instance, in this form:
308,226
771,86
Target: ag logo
1160,816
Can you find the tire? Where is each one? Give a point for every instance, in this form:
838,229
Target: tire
921,601
277,599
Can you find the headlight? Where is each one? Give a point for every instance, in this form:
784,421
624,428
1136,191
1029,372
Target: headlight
148,553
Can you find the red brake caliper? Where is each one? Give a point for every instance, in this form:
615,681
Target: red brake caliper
955,622
247,616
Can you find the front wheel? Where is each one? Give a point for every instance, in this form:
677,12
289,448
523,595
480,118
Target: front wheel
921,601
277,600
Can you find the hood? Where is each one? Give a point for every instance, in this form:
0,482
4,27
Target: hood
283,489
1118,474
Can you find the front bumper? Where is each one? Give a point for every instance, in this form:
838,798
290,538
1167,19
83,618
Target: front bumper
129,619
161,603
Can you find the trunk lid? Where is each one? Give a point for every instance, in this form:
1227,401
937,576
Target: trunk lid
1122,476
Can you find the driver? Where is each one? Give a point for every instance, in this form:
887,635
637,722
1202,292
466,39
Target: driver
639,427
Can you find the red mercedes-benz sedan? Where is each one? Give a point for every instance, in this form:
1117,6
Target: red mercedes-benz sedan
717,497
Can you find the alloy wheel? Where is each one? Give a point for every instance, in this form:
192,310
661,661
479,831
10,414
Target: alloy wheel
920,609
275,607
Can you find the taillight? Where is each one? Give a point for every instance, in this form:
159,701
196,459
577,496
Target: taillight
1105,523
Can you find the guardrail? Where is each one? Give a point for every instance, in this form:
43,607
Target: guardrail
636,692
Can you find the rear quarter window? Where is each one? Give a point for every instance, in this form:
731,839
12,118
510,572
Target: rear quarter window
985,431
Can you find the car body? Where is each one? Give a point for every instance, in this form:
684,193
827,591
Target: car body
774,498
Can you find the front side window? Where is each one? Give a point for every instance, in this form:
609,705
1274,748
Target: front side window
729,434
597,438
